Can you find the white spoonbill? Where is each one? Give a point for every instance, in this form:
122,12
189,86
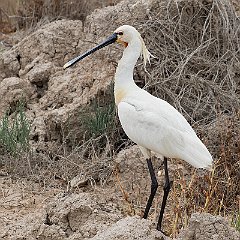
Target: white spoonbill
152,123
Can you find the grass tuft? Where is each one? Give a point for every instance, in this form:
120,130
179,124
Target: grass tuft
14,133
99,120
236,221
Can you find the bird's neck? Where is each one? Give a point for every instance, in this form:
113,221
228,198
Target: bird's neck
124,71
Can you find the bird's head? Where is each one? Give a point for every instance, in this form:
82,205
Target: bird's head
123,35
126,34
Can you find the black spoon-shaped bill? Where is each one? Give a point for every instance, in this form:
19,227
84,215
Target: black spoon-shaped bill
107,42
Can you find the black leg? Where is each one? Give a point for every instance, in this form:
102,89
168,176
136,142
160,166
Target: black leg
166,189
154,187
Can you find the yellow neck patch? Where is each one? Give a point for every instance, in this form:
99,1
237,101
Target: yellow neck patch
119,95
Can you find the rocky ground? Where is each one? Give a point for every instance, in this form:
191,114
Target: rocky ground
30,210
81,207
86,210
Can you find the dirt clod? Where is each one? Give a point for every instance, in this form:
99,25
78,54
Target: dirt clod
207,227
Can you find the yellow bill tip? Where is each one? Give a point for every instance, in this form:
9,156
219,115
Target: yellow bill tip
66,65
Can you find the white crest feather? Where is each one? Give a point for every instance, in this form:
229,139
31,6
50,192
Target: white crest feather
145,53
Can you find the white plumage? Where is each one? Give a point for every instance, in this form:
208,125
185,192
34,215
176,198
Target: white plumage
150,122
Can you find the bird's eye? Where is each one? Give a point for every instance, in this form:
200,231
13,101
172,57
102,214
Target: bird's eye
120,33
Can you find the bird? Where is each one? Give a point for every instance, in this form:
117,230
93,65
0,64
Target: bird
150,122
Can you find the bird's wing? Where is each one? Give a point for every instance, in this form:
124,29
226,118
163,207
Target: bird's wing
161,111
161,128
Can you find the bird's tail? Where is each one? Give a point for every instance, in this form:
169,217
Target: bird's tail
198,155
